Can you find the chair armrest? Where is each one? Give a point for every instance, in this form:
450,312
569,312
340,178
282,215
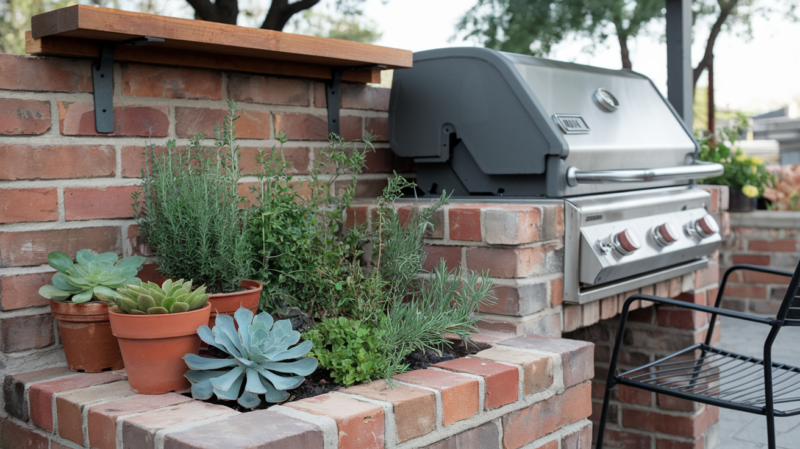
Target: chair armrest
698,307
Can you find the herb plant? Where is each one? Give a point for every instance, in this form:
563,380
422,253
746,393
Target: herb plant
94,275
258,352
190,210
742,172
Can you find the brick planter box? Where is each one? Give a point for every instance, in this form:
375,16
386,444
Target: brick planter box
522,392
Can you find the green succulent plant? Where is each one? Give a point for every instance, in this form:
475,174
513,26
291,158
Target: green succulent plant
94,275
257,355
150,299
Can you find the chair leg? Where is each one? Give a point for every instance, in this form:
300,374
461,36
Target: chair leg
604,417
771,430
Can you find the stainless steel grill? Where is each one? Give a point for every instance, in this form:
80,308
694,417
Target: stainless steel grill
484,123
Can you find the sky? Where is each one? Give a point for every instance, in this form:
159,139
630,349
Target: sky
753,76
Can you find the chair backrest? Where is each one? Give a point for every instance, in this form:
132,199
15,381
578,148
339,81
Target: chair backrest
789,312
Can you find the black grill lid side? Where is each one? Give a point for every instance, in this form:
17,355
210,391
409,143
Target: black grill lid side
477,94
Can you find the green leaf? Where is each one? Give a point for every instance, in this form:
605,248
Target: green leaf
131,262
106,294
82,297
179,307
157,311
145,302
167,303
60,261
54,293
194,361
60,282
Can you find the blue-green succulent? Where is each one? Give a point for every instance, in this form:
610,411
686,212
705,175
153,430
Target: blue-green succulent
261,353
94,275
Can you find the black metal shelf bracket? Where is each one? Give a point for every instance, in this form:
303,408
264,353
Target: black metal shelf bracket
103,82
333,95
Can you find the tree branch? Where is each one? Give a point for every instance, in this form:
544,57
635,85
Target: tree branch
708,56
203,9
281,11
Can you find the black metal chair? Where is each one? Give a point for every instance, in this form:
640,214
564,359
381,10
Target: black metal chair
703,373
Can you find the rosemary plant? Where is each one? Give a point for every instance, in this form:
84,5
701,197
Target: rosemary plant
189,210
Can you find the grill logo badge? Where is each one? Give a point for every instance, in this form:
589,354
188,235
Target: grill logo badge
571,123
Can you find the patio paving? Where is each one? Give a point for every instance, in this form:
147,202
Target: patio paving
745,431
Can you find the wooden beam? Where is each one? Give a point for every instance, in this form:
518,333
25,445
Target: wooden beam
155,54
89,22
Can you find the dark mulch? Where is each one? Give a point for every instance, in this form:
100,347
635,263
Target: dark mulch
321,381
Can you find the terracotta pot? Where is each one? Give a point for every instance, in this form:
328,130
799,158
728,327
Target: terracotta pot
153,346
229,303
86,333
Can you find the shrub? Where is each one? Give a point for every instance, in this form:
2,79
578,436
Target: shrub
742,172
189,211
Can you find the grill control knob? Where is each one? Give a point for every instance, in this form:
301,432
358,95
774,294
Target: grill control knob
666,234
626,242
706,226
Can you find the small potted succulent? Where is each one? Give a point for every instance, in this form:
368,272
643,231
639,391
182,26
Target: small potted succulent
264,359
83,321
156,326
189,213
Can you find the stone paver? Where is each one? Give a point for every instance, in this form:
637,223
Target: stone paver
743,430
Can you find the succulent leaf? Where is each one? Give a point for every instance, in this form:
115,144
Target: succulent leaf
157,311
179,307
54,293
145,302
94,274
167,303
251,348
60,282
82,297
60,261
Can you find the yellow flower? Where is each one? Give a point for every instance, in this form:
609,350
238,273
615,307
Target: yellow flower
755,160
753,168
750,191
741,157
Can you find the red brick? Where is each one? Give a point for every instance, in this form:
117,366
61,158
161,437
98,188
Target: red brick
714,191
87,203
140,431
41,394
762,278
486,436
356,96
45,74
772,245
24,117
518,300
459,393
56,162
537,370
77,119
673,403
502,381
27,205
678,425
450,254
465,224
268,90
414,408
23,332
745,291
625,440
298,158
572,317
693,297
636,396
14,436
662,443
675,287
315,127
505,263
22,290
590,313
32,247
360,424
557,292
608,307
102,419
552,227
249,125
679,318
707,276
576,404
529,424
581,439
512,226
70,406
751,259
262,429
437,220
170,82
365,188
577,356
379,127
14,395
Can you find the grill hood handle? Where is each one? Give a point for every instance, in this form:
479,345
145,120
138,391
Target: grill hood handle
697,170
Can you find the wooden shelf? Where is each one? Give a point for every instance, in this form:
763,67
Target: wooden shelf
79,31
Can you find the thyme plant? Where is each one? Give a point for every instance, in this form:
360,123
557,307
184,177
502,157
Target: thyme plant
189,210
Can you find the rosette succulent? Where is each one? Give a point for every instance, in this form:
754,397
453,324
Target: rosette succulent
94,275
150,299
260,355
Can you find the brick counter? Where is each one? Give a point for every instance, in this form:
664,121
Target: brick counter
523,392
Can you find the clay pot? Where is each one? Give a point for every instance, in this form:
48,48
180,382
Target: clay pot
229,303
153,346
86,333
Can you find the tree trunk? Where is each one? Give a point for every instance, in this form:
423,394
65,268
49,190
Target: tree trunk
708,56
281,11
623,50
712,123
221,11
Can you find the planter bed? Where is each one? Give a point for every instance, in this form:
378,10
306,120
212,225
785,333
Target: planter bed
524,391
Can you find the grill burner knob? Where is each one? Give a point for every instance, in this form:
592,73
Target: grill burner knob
666,234
706,226
626,242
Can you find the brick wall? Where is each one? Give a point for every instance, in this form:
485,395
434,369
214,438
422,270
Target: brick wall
64,187
766,238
